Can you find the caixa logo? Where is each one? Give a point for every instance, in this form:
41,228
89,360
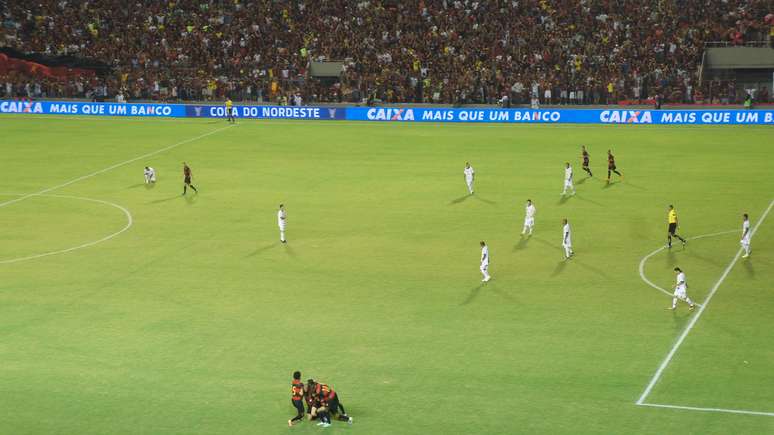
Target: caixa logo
21,107
626,117
390,114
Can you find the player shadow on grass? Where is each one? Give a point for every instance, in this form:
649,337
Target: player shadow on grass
522,243
290,251
583,198
460,199
636,186
473,294
165,199
147,186
488,201
261,249
748,267
563,199
560,266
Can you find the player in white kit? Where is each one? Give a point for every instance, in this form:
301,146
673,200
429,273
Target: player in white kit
567,240
746,236
529,217
485,262
150,175
281,221
680,291
469,176
568,179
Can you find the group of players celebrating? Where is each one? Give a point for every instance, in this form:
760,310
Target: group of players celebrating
320,399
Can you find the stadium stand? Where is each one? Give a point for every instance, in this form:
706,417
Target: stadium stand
426,51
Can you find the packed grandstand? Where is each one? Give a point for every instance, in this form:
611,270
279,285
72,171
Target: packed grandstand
433,51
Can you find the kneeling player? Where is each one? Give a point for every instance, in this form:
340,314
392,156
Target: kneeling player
150,175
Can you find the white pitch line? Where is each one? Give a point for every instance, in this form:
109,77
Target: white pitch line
129,222
109,168
647,257
695,318
696,408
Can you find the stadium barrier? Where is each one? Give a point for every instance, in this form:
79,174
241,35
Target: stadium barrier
398,114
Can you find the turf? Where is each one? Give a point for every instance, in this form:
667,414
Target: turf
193,319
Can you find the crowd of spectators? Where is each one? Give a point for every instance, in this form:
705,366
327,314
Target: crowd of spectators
439,51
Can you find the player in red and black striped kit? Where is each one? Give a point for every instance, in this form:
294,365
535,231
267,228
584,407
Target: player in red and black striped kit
611,166
329,403
585,156
297,397
187,179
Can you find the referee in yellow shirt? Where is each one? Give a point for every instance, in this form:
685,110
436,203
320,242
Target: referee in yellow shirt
671,232
229,110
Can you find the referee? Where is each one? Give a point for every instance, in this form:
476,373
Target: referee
230,110
671,232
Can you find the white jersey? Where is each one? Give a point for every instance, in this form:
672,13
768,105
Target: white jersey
469,173
150,172
568,174
281,218
680,281
485,256
566,235
746,231
529,211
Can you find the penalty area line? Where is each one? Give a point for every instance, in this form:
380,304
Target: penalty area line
694,319
696,408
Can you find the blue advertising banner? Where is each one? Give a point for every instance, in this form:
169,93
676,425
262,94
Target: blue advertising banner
405,114
561,116
268,112
92,109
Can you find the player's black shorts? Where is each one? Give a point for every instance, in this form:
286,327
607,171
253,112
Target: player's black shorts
611,167
187,180
333,405
585,163
672,228
299,404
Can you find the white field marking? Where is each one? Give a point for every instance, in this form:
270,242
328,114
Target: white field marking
695,408
129,222
126,162
695,318
647,257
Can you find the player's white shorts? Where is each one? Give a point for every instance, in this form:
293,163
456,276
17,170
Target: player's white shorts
529,222
568,243
745,241
680,293
282,227
484,267
567,183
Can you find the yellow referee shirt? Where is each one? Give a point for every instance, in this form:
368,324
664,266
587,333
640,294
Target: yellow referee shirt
672,217
228,105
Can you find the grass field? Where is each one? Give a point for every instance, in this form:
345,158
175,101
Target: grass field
192,318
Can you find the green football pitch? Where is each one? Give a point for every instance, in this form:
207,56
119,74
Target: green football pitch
127,309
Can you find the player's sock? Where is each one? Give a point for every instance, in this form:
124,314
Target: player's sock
194,189
185,189
619,174
669,241
674,303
